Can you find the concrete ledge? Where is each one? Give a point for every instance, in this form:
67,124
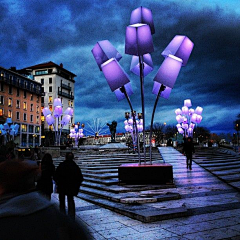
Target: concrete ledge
136,174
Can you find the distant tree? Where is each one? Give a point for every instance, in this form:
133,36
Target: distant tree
158,132
203,134
237,123
170,131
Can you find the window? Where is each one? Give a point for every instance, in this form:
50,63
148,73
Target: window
41,72
18,104
37,109
31,118
10,102
69,103
18,82
42,99
50,107
24,117
24,105
50,89
42,118
24,128
9,114
31,97
25,94
18,116
50,80
11,79
31,87
1,100
1,112
2,87
10,89
30,128
42,81
31,107
50,99
18,92
37,119
25,84
37,98
37,129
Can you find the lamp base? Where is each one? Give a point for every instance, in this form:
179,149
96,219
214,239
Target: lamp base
158,173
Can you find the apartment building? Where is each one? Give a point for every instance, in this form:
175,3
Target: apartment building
20,100
57,82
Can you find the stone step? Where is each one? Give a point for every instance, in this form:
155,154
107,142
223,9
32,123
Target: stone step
102,181
141,212
100,175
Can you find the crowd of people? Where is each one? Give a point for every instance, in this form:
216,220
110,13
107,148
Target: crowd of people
26,209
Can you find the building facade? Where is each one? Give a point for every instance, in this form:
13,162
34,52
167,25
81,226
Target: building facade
20,100
57,82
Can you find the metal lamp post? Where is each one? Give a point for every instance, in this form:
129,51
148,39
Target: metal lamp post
139,44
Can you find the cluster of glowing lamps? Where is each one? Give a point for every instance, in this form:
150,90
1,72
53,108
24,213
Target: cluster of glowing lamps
9,130
52,118
139,44
188,118
76,132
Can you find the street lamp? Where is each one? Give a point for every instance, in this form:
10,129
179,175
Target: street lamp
9,130
52,119
76,132
139,44
188,118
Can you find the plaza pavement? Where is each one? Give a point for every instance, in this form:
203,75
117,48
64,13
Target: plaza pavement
213,209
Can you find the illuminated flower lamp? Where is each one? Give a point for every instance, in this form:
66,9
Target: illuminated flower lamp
188,118
53,118
76,132
9,130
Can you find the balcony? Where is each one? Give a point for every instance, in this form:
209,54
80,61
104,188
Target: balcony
65,86
61,93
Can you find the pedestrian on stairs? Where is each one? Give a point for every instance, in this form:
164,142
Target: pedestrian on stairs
68,178
188,150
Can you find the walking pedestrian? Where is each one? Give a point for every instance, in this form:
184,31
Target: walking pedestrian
188,150
68,178
45,183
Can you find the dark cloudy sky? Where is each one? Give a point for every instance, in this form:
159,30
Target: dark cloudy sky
62,31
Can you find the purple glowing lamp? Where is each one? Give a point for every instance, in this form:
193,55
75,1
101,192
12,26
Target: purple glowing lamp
57,111
168,71
181,47
179,118
178,111
69,111
199,110
138,40
57,102
120,95
164,94
46,111
142,15
185,110
147,65
180,130
103,51
49,120
114,74
66,119
187,103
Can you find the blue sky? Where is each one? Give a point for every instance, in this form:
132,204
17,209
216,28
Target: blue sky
64,31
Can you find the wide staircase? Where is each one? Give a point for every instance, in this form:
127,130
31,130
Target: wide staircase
102,187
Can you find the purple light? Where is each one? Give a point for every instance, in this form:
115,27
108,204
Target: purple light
181,47
142,15
180,130
179,118
199,119
114,74
185,110
57,102
120,96
9,120
66,119
168,71
103,51
57,111
49,119
194,118
138,40
46,111
147,62
198,110
178,111
164,94
187,103
69,111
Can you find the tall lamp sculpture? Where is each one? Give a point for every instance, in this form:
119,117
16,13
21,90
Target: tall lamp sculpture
76,132
188,118
53,118
139,44
9,130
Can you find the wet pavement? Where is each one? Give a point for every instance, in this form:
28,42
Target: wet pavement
213,209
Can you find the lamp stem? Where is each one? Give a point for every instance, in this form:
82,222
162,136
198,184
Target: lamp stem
143,106
162,88
123,90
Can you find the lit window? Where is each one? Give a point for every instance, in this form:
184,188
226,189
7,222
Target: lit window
42,118
50,107
37,109
1,112
18,104
25,105
9,114
31,97
50,99
1,100
24,128
9,102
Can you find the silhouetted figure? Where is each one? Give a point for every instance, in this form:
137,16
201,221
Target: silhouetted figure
45,183
188,149
112,128
68,178
25,214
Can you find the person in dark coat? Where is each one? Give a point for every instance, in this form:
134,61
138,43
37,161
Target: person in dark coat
45,183
68,178
188,150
